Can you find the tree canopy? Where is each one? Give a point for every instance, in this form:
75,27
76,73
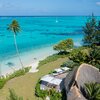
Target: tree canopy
92,32
65,45
14,27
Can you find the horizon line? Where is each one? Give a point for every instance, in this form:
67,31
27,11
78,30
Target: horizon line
47,15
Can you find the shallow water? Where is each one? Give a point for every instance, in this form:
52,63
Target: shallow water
39,32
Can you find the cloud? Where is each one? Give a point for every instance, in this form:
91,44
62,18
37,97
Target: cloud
98,3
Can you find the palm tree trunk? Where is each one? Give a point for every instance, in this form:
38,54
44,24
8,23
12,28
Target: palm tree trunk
17,51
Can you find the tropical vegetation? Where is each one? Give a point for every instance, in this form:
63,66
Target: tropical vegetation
92,32
83,55
92,91
17,73
52,93
70,64
64,46
15,28
89,53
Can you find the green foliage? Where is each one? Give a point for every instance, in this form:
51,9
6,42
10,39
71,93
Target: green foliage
54,95
43,93
14,27
39,92
79,55
97,38
13,95
17,73
92,91
94,57
52,72
65,45
91,32
86,55
2,82
70,64
27,69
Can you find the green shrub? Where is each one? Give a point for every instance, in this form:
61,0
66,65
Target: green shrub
18,73
52,93
70,64
52,72
91,32
79,55
39,92
27,69
2,82
64,45
86,55
94,56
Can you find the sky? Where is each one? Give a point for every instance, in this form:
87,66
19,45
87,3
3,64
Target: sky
49,7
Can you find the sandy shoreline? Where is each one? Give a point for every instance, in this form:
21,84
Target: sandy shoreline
30,58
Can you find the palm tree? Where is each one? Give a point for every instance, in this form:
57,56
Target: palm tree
92,91
15,28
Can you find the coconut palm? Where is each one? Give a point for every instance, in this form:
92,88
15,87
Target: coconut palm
15,28
92,91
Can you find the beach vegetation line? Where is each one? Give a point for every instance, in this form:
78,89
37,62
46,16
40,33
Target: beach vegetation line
17,73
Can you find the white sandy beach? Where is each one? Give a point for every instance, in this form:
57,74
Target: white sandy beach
30,58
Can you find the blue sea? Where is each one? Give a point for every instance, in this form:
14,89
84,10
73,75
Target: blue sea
40,32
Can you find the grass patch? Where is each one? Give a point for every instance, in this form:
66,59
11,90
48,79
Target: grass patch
17,73
51,58
25,85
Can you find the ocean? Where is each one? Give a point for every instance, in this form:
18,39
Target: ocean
39,32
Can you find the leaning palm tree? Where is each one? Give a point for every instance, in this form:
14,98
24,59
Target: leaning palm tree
15,28
92,91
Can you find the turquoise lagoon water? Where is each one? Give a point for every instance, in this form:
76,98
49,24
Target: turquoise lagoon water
37,32
40,32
